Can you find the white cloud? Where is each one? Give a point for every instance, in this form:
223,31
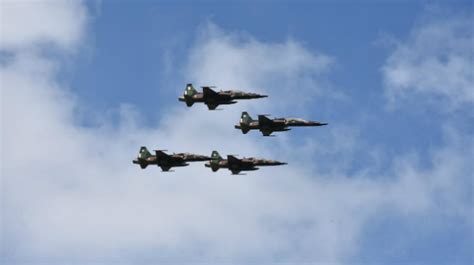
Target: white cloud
71,194
28,23
435,64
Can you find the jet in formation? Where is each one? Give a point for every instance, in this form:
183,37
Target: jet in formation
236,165
165,161
214,98
268,126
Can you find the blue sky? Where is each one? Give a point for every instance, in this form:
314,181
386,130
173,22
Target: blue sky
389,181
153,53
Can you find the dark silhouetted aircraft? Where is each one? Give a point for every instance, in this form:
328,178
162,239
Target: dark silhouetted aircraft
165,161
268,126
214,98
236,165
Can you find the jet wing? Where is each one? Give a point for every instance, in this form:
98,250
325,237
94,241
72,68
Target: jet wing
234,164
265,125
232,160
266,132
264,120
235,171
212,96
208,92
165,168
241,163
162,156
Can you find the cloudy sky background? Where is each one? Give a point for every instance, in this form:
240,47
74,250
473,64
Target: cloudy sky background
84,85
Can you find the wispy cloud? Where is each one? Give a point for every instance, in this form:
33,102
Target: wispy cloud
434,65
25,24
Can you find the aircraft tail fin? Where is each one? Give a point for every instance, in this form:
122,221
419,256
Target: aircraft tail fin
142,157
144,153
215,159
190,91
245,118
215,156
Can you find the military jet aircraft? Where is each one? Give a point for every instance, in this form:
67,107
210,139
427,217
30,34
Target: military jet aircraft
268,126
213,98
236,165
165,161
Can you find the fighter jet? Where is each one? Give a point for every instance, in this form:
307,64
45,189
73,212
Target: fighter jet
165,161
268,126
213,98
236,165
